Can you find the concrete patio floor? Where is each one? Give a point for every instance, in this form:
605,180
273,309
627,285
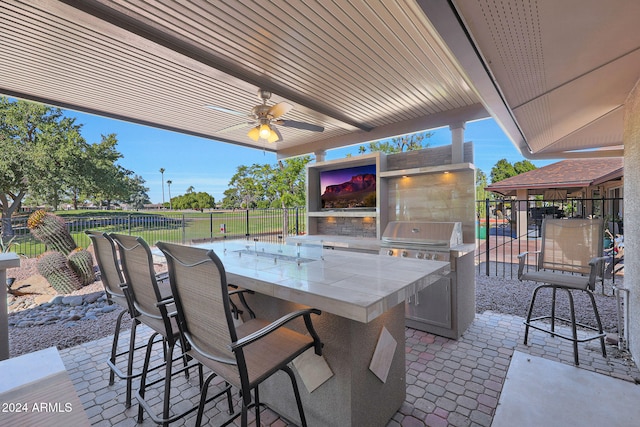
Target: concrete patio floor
455,383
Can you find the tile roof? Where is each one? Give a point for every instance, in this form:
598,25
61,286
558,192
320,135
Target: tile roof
566,174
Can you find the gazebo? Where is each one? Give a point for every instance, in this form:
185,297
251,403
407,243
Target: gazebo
584,179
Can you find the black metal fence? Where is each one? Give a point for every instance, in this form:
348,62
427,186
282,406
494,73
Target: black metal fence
268,225
499,238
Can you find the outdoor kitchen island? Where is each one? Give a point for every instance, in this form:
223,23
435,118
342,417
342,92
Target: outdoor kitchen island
362,325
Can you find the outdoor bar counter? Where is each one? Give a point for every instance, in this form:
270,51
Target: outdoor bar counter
360,379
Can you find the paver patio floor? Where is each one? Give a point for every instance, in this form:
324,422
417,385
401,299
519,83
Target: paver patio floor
449,382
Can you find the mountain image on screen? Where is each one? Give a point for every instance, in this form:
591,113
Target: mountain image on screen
359,191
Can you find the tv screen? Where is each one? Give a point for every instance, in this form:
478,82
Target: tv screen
348,188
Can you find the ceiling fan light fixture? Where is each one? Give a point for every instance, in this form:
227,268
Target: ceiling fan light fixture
273,136
254,133
265,131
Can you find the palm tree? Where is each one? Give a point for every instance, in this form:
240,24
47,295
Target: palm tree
190,189
162,177
169,182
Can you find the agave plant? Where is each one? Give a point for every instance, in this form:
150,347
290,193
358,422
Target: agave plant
6,246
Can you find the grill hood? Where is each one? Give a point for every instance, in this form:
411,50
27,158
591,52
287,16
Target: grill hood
423,233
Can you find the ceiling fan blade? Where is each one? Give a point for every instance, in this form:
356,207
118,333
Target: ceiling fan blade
226,110
236,127
281,108
300,125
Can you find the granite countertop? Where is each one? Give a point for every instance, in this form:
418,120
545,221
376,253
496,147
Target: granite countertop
353,285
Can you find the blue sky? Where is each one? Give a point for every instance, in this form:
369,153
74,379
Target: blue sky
208,165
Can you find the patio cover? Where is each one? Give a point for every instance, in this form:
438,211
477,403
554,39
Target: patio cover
555,75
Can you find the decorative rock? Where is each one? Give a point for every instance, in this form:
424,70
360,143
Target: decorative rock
67,310
108,308
25,324
73,300
91,298
57,299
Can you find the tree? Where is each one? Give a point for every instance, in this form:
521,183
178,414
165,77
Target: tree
190,189
481,183
169,182
44,156
288,182
399,144
37,146
246,187
196,201
264,186
523,166
503,169
62,161
138,196
109,180
162,179
288,186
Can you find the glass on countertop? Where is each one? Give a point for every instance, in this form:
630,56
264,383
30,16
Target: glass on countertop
299,253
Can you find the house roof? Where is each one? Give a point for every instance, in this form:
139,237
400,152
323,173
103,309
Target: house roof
363,70
568,175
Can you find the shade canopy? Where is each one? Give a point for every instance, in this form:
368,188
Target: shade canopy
554,75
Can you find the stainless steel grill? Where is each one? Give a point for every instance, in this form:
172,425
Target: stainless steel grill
447,306
421,239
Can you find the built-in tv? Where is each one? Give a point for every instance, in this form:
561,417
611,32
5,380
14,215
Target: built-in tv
348,188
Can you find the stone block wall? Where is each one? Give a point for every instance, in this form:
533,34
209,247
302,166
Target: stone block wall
435,197
435,156
347,226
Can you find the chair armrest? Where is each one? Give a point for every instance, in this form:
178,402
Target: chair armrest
133,312
306,314
240,293
162,276
522,259
167,302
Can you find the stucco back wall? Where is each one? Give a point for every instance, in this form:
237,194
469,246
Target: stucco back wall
632,216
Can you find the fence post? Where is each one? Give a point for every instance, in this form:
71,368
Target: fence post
211,225
129,223
184,231
486,240
247,227
297,221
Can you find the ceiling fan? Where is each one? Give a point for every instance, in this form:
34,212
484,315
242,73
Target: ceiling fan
264,118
